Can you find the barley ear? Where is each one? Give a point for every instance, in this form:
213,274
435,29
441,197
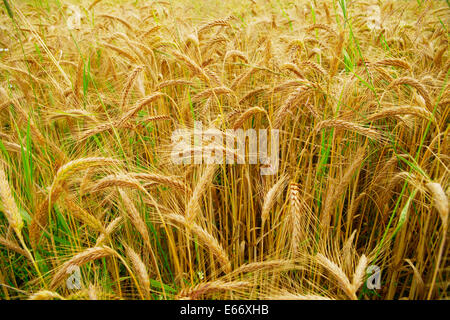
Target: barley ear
10,207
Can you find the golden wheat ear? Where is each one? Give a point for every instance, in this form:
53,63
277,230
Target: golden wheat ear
207,288
78,260
45,295
440,200
338,274
140,269
9,204
271,197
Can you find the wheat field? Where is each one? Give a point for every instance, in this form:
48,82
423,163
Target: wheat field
92,91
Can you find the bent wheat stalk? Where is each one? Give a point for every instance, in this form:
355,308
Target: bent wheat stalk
207,288
205,238
79,259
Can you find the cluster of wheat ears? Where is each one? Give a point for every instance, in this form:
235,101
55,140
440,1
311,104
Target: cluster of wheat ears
91,91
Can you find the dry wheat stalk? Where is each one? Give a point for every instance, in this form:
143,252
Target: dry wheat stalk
75,113
205,238
437,61
214,77
122,180
120,51
82,215
440,200
40,218
289,84
207,288
140,269
79,259
139,105
212,92
13,246
193,206
338,274
417,277
159,178
79,77
10,208
194,67
247,114
336,191
128,86
350,126
336,54
239,80
293,68
108,231
253,93
220,22
271,265
69,168
14,147
295,296
101,128
298,218
122,21
135,218
271,197
359,274
176,82
348,251
415,84
394,63
156,118
234,54
316,67
402,110
45,295
323,27
95,2
293,99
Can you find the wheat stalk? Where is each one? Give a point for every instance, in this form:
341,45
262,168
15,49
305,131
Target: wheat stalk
9,204
415,84
208,288
140,269
205,238
349,126
193,206
45,295
271,197
338,274
128,85
440,200
80,259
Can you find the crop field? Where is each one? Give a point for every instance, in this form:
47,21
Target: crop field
116,181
